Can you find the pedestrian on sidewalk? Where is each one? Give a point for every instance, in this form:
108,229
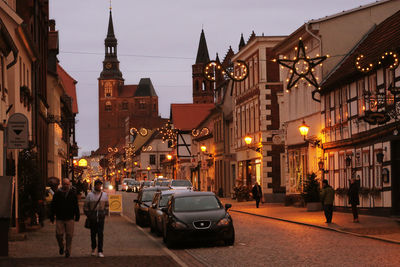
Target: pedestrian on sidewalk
96,209
257,193
327,197
354,200
65,208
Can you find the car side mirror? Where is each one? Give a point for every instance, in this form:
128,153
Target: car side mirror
228,206
164,209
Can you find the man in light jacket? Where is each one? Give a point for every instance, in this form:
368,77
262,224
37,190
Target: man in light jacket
96,208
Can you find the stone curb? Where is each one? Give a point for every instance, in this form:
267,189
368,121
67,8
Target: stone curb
320,227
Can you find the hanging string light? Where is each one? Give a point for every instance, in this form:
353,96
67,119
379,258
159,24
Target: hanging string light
239,66
168,133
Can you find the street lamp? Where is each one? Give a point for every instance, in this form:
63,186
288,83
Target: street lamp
248,140
203,148
148,172
169,156
304,128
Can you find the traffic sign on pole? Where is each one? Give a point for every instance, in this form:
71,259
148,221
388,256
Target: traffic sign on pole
17,132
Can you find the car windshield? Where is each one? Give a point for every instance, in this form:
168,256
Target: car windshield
196,203
181,183
148,195
164,200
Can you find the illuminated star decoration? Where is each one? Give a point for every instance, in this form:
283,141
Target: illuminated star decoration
301,67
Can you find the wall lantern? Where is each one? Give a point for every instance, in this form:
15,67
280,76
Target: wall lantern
379,157
148,168
203,148
303,128
169,156
348,161
321,165
248,140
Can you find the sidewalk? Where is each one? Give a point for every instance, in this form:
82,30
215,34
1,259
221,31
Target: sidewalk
381,228
124,245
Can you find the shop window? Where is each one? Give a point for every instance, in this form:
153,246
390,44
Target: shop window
152,159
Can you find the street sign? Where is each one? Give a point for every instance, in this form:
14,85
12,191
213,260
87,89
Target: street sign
115,203
17,132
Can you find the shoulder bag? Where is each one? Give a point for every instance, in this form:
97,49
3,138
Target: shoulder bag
90,218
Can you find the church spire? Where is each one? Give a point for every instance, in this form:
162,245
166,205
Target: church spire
202,52
111,63
110,32
241,43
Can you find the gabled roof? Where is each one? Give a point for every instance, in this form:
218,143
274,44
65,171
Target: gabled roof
380,39
145,88
69,87
202,52
128,90
186,117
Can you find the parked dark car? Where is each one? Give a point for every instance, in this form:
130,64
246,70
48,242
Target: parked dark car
143,202
160,201
197,216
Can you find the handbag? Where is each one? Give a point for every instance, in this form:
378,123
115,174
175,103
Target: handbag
90,218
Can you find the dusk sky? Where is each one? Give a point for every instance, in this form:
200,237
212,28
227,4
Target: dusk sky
158,39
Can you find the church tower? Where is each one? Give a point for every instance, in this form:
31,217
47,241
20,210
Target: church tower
110,84
203,91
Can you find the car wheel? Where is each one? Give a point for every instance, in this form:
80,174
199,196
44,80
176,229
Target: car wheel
231,240
168,241
138,223
152,226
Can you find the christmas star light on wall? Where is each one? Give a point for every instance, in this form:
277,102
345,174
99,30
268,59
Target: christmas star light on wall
302,67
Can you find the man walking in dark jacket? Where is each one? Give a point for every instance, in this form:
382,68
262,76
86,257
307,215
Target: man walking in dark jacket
65,209
327,198
354,200
257,193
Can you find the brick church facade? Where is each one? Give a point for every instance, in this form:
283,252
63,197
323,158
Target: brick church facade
122,106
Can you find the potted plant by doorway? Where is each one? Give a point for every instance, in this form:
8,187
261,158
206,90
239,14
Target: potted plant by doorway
311,192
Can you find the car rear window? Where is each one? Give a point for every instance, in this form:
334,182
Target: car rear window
181,183
148,195
196,203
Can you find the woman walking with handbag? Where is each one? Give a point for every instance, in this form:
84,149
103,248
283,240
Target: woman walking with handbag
96,208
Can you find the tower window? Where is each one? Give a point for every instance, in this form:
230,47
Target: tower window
108,106
142,104
108,89
203,88
197,86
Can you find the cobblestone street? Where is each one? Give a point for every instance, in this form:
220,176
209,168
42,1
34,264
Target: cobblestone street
259,242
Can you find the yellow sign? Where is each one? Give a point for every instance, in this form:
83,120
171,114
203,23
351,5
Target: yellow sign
115,202
82,163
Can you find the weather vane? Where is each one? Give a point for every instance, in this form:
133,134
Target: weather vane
110,5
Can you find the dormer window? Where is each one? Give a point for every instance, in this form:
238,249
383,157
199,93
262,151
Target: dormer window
108,89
